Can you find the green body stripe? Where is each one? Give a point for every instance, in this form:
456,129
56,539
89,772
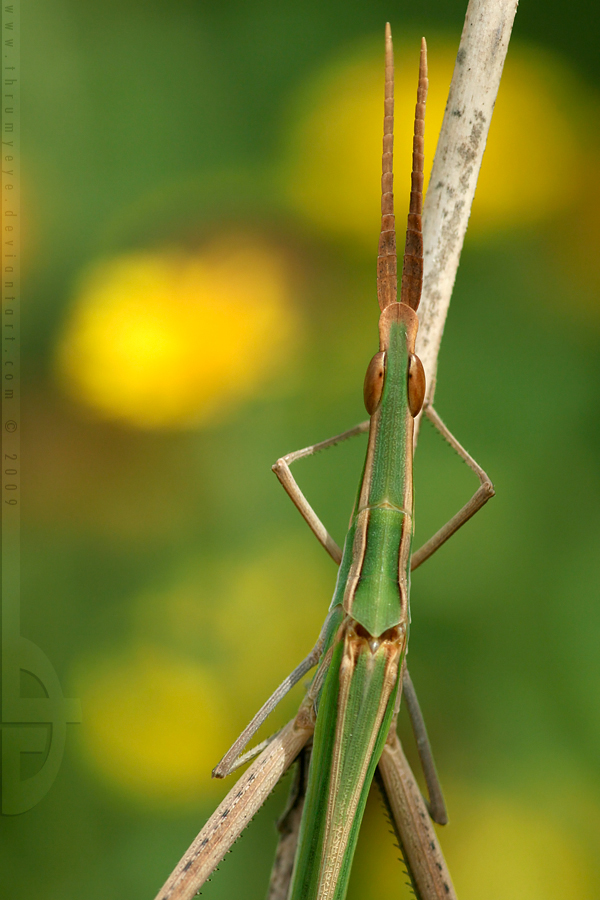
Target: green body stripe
391,477
362,744
374,574
377,602
348,752
314,816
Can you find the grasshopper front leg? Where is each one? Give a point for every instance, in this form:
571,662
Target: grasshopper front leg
284,474
481,496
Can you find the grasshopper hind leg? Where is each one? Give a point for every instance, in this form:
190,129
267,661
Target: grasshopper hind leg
417,839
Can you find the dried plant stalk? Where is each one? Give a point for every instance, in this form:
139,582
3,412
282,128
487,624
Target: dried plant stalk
462,140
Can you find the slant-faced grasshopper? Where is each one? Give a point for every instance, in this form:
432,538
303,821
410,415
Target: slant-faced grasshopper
345,731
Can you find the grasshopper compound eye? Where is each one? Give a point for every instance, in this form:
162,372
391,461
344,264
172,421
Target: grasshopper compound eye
374,382
416,385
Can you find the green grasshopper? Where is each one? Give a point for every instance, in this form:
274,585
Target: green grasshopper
344,734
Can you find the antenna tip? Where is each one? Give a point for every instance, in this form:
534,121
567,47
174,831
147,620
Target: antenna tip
389,47
423,63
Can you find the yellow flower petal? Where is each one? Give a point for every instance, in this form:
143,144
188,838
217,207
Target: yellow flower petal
530,167
496,848
170,340
153,726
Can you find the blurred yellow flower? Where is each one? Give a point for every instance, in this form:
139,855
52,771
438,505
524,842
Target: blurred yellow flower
270,618
530,167
169,340
507,849
263,613
577,259
153,725
496,848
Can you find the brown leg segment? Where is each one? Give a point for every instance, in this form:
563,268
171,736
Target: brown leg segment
282,470
479,498
416,836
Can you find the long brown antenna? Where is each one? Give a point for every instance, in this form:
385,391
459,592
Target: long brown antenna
412,269
387,279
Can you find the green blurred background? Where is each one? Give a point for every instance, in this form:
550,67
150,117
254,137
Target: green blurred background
193,170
